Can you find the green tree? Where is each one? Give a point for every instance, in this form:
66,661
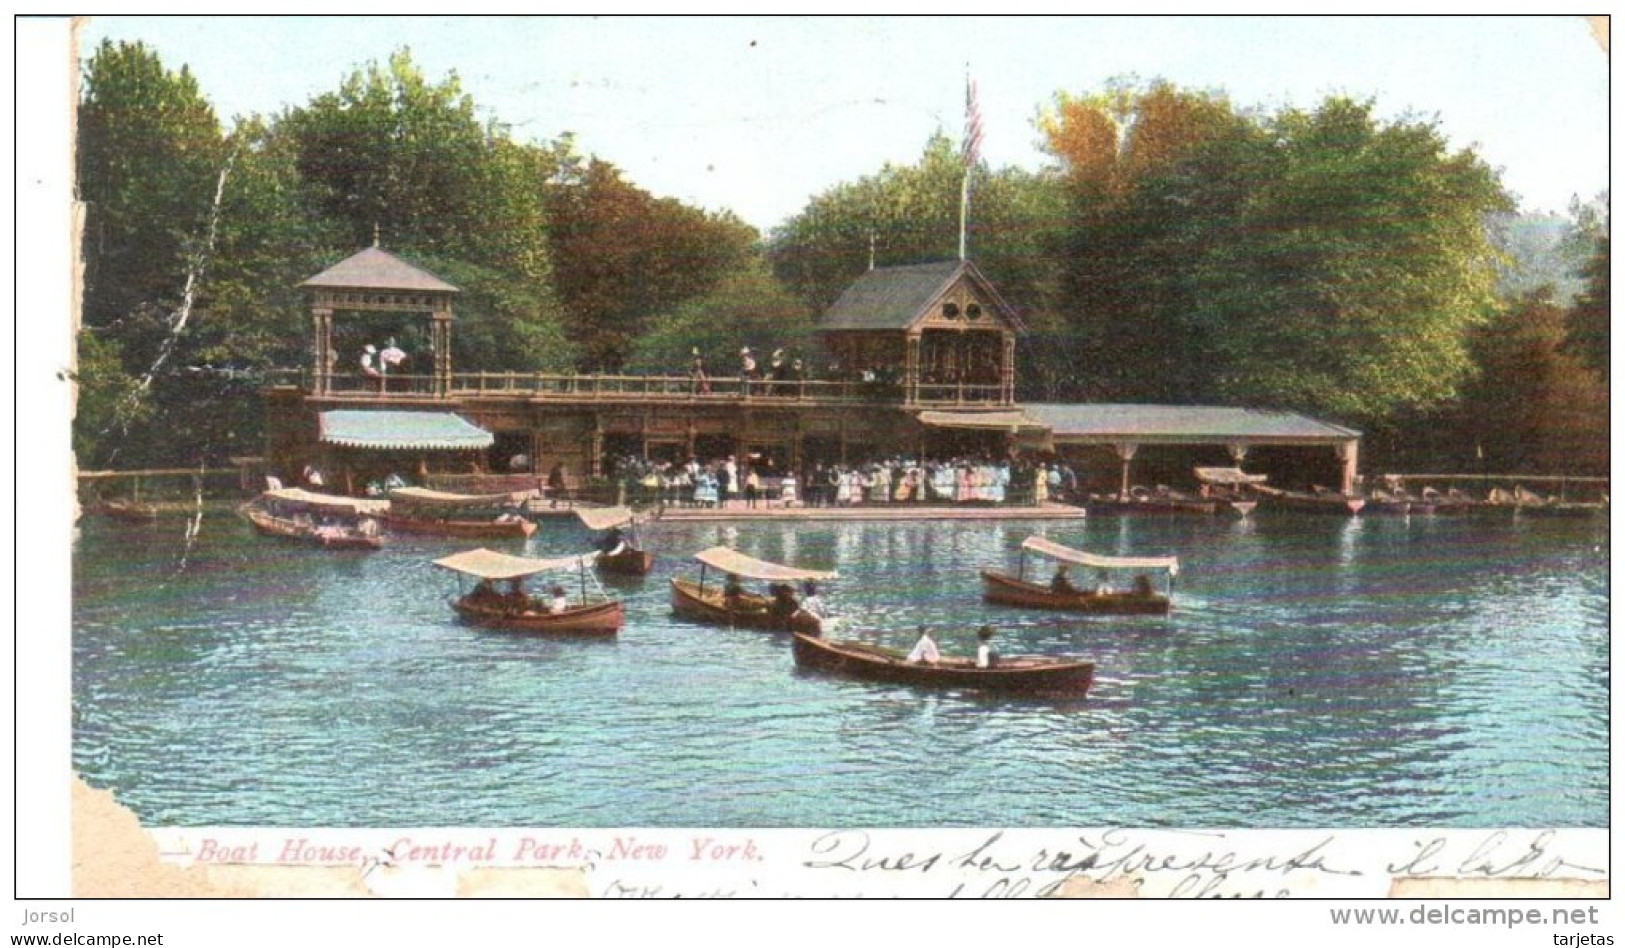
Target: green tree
1587,322
911,215
1156,182
747,308
624,255
1318,260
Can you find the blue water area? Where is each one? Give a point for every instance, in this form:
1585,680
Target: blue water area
1316,671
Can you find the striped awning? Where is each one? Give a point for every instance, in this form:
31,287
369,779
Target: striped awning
402,431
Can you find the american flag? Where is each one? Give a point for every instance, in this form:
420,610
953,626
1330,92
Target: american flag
973,124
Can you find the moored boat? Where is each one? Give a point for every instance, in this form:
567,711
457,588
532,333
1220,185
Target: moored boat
516,611
1014,675
1321,500
729,604
127,510
1158,500
420,510
619,551
325,520
1140,599
1232,487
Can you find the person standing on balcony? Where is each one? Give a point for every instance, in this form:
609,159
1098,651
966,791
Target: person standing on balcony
747,366
701,383
388,361
369,370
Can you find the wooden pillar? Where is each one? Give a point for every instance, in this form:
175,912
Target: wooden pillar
1125,452
440,338
321,350
595,447
911,368
1007,370
1349,453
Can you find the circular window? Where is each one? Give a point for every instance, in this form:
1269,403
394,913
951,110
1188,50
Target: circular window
950,310
973,311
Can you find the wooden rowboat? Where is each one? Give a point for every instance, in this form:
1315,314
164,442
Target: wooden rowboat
711,604
333,537
601,618
628,559
515,611
1006,590
1010,591
1232,487
1017,675
1321,501
129,511
419,510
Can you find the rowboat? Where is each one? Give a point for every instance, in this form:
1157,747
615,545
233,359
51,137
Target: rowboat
420,510
1320,500
515,610
716,606
324,520
331,536
130,511
1143,500
619,551
1141,599
1388,503
1232,487
1016,675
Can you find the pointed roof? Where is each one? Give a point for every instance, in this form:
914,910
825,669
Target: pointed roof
897,297
377,269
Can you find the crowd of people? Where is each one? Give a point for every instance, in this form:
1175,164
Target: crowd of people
729,482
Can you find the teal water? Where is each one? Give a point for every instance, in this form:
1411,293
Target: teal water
1318,672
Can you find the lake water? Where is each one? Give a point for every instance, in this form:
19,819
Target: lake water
1316,671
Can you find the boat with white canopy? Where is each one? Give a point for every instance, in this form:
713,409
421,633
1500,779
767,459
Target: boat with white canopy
1140,598
619,552
516,610
326,520
727,603
421,510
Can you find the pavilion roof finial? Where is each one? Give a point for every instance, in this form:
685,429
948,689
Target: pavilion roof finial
375,233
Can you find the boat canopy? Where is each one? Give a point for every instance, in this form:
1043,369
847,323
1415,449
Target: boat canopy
603,518
731,561
489,564
423,497
1069,555
330,503
1228,476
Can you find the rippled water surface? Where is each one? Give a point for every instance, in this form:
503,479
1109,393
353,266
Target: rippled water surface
1315,672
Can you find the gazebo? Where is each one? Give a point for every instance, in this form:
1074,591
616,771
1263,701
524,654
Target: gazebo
376,281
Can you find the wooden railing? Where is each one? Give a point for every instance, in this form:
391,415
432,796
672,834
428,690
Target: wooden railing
564,386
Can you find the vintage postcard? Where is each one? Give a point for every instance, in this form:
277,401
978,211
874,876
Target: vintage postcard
931,457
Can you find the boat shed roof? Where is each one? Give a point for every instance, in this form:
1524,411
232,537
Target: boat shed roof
1182,424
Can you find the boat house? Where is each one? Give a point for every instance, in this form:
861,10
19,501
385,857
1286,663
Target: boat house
925,365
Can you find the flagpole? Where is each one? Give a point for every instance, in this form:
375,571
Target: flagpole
964,206
971,149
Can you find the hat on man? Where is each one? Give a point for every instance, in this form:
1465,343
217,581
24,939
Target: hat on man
368,349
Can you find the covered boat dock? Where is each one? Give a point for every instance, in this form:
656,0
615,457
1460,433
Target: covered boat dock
1124,429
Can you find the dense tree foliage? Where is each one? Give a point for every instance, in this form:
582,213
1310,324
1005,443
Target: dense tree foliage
625,256
1587,323
748,308
1317,260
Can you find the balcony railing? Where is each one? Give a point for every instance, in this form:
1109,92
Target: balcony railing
644,388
